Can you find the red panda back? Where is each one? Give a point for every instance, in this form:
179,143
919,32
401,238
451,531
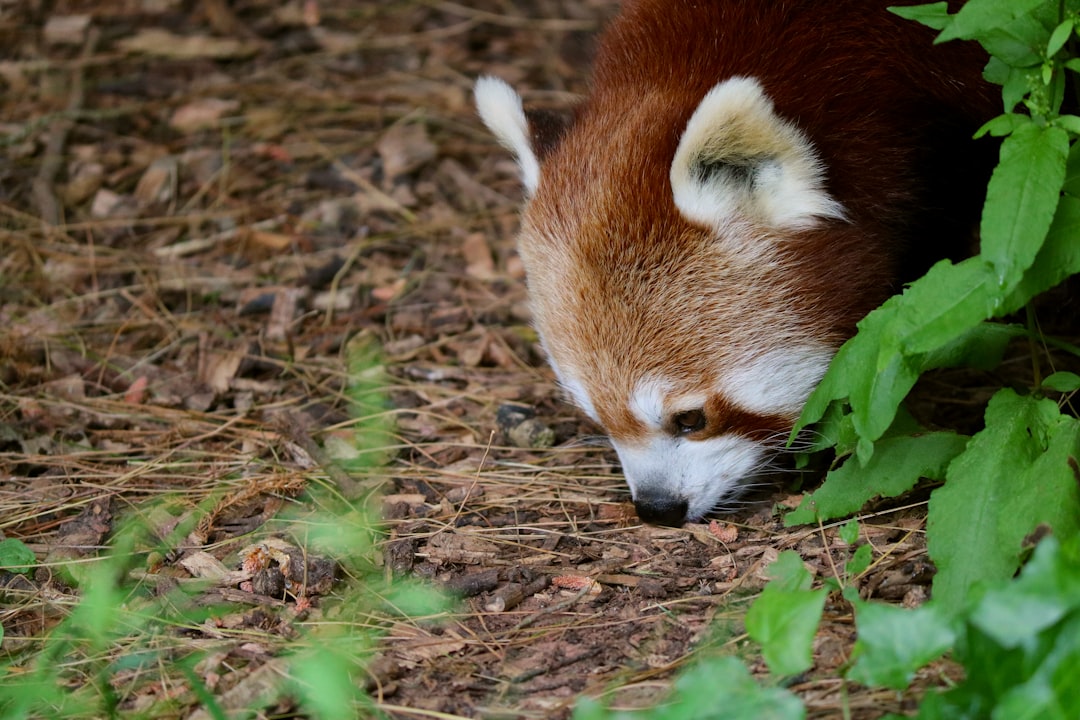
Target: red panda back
890,114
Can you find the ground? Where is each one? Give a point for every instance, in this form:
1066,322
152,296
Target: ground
205,209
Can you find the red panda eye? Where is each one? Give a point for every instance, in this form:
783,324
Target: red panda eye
689,421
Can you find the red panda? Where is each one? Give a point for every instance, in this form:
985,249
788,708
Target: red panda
744,181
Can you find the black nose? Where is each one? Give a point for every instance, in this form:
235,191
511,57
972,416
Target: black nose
660,508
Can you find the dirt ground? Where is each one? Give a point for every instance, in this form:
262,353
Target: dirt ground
203,204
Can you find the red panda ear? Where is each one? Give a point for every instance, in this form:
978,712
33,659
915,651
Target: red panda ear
739,161
501,110
546,128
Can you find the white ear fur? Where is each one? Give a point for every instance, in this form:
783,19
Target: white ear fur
501,110
739,160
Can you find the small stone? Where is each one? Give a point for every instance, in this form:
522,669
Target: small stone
532,434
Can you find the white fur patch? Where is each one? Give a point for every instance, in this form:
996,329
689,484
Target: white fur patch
501,110
647,402
776,382
702,472
740,161
571,385
576,391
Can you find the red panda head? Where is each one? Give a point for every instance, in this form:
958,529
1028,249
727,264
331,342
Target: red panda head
686,273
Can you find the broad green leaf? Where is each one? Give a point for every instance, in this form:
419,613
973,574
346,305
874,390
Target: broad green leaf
1049,492
1019,43
1013,475
725,683
1062,382
944,304
589,709
784,623
977,17
1021,643
1058,258
1051,693
412,599
710,689
1022,198
784,619
875,392
897,464
982,347
16,557
788,572
1013,620
893,643
322,678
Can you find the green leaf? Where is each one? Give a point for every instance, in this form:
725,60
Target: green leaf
978,17
893,643
896,465
784,619
1012,476
932,15
859,561
849,532
726,683
1057,259
1071,186
1062,382
1022,198
719,683
1059,37
322,679
1020,647
944,304
935,323
788,572
1003,125
1014,620
1016,85
16,557
1051,693
1019,43
412,599
1020,644
784,623
1070,123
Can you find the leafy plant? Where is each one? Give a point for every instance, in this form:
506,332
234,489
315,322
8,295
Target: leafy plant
1019,644
1019,472
121,625
16,557
720,687
786,616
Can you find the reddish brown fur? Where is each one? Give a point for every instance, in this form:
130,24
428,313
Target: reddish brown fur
614,266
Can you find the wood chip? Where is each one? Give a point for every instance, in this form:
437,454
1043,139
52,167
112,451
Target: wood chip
576,583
